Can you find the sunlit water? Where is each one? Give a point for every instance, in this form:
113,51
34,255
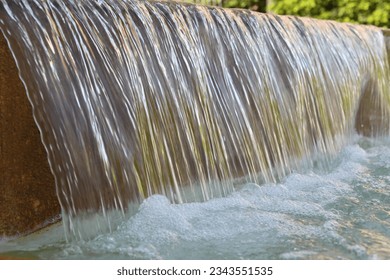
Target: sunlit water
342,212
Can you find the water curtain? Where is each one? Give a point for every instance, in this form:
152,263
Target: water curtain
134,98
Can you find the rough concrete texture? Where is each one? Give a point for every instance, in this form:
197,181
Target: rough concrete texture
27,190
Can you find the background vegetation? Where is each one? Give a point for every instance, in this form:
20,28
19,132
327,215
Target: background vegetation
374,12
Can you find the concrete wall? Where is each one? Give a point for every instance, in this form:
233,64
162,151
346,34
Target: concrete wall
27,190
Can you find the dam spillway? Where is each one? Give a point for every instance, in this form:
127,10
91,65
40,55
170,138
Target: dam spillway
134,98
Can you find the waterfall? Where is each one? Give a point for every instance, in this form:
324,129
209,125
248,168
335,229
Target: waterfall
134,98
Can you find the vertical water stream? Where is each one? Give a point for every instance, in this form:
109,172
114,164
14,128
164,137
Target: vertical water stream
135,98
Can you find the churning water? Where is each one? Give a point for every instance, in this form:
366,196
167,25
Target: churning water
342,212
156,104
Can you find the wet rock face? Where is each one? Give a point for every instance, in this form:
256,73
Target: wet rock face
27,190
370,118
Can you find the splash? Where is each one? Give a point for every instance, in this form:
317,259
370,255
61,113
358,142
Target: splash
135,98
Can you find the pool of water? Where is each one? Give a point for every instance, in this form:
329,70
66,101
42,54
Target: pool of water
341,212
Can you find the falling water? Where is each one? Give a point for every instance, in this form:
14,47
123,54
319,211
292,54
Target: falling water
135,98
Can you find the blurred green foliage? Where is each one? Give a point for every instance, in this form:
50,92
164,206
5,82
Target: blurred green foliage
255,5
375,12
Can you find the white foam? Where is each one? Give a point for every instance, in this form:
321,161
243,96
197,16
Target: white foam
341,213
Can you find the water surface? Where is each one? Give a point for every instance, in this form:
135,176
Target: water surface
339,212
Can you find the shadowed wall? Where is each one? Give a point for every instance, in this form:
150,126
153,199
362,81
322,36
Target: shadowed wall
369,119
27,191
